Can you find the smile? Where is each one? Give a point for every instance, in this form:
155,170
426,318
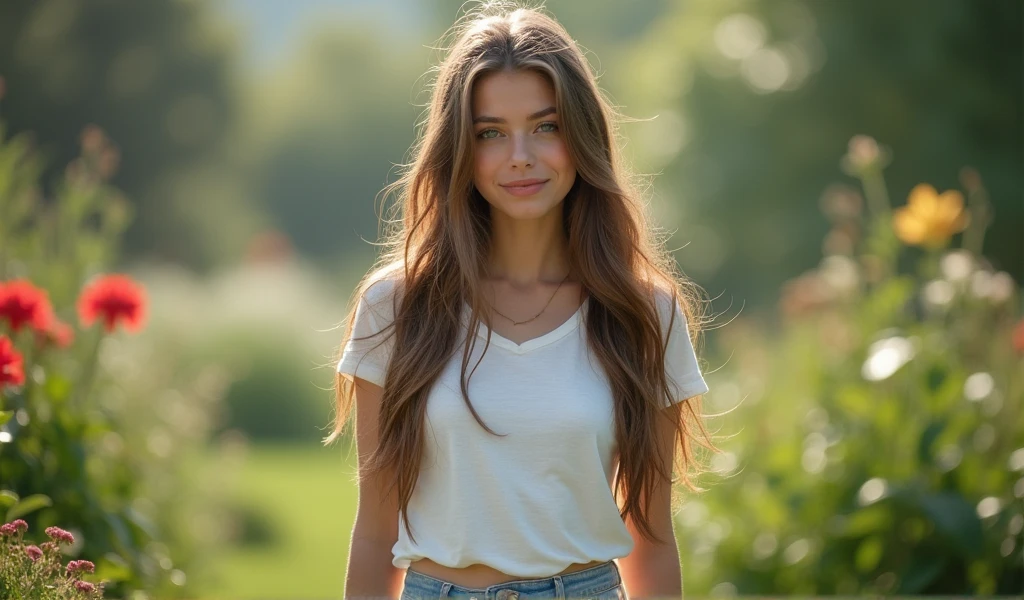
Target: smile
524,190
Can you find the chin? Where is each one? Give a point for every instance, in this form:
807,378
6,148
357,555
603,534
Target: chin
529,209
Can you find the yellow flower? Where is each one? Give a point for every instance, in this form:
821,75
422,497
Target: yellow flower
929,219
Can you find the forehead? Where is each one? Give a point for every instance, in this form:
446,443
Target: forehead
511,95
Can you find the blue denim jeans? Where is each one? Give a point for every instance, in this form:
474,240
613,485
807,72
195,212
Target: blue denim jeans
600,583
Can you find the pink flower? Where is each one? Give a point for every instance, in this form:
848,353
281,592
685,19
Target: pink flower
33,552
84,586
80,565
59,535
13,527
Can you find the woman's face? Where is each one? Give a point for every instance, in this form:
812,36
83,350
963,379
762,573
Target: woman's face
518,139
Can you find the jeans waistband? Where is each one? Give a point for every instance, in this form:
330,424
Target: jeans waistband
577,584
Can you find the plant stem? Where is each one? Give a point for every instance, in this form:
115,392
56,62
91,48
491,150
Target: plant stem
89,373
874,190
981,217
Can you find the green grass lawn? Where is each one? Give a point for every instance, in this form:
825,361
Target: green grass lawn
299,550
301,503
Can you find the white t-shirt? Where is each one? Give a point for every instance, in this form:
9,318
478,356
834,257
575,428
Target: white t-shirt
533,502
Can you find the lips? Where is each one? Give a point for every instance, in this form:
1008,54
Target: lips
523,183
525,187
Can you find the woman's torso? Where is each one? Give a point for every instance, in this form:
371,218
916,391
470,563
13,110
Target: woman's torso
548,471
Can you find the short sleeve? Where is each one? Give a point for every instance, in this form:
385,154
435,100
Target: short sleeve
685,379
368,358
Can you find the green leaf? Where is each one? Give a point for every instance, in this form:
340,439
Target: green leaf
7,499
935,376
124,540
113,568
928,437
870,520
5,416
142,522
956,520
921,572
889,300
27,505
58,388
869,553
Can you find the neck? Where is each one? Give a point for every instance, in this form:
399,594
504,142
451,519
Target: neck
525,253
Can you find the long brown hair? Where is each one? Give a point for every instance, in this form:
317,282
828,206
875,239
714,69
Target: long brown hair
439,249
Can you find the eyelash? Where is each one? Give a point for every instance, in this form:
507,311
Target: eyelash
552,123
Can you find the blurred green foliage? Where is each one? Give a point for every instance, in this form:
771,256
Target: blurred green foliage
159,77
272,325
271,396
94,440
879,442
750,101
755,99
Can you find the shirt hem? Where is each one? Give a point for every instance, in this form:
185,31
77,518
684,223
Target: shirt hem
364,370
689,389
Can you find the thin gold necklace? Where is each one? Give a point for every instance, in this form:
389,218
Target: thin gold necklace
514,322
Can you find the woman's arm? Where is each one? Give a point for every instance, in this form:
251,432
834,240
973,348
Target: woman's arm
652,570
370,572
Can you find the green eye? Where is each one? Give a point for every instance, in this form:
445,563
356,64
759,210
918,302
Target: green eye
483,134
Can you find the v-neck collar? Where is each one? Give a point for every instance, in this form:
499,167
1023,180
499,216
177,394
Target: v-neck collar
568,326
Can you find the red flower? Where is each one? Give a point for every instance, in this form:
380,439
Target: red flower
84,586
21,302
12,369
1018,337
33,552
115,298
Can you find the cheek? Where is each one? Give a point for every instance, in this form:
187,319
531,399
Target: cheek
557,156
485,163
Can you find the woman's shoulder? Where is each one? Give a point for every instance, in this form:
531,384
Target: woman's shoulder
381,292
382,284
665,298
671,307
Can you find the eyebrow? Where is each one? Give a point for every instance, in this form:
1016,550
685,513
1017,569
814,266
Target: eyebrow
540,113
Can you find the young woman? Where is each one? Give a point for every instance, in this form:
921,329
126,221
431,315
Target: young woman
521,360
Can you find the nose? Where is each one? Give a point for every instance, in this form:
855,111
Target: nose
522,152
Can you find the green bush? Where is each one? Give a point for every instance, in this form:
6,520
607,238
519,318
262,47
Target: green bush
270,324
880,444
271,397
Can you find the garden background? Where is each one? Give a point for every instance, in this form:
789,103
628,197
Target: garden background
843,178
